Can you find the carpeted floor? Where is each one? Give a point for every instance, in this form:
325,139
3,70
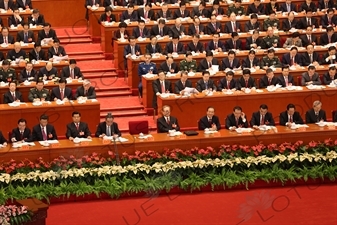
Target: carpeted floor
83,48
71,31
118,102
302,205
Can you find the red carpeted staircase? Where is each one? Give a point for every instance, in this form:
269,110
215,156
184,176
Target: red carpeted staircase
112,89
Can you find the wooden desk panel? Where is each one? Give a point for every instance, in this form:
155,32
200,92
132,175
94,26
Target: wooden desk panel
59,115
185,108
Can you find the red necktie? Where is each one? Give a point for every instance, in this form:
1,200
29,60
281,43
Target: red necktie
309,39
141,32
175,48
21,135
77,126
168,120
246,83
210,122
44,135
13,96
269,81
237,122
262,120
228,85
234,44
209,65
291,119
62,94
5,41
216,45
162,87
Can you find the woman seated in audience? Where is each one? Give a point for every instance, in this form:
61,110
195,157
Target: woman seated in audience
121,33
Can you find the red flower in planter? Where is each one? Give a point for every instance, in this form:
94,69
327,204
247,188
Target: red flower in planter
312,144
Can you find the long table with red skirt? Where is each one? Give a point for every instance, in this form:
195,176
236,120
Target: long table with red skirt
160,142
59,115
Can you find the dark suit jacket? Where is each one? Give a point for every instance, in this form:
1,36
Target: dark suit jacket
286,60
156,86
191,47
60,51
178,86
315,78
191,29
225,64
204,123
136,32
177,32
164,67
203,65
287,25
107,3
168,16
246,62
80,92
282,82
285,119
303,23
310,116
73,132
231,122
66,72
252,9
249,26
26,136
223,84
323,61
242,83
327,79
169,48
249,41
43,71
210,46
229,28
325,40
117,34
325,21
10,39
305,7
20,4
13,21
212,30
133,17
40,20
268,119
23,75
8,98
155,31
127,49
51,34
306,59
157,48
12,55
285,9
101,129
305,41
11,5
230,45
268,8
2,138
201,85
264,81
203,13
104,18
164,127
220,11
177,14
37,133
150,14
21,36
321,4
34,55
55,93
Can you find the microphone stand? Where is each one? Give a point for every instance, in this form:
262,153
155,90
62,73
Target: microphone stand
116,150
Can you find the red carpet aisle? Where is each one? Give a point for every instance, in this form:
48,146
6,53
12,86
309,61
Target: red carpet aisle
307,205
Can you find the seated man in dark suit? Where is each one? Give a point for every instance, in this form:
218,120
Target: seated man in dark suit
56,50
316,114
37,53
330,57
292,58
5,37
232,25
329,19
16,53
146,12
160,86
167,122
308,38
262,117
268,79
214,26
290,116
169,65
47,32
15,19
234,42
110,3
164,13
161,29
200,11
12,95
308,20
195,45
251,61
246,81
21,133
174,46
27,4
310,57
205,84
28,73
256,7
254,41
285,79
177,29
329,37
324,5
77,129
47,72
216,9
131,49
236,119
44,131
252,24
216,44
308,4
208,62
86,91
196,28
181,12
290,23
230,62
153,47
210,121
310,77
72,71
25,35
7,5
330,76
36,18
107,16
61,92
129,14
108,128
180,85
288,7
228,82
141,30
